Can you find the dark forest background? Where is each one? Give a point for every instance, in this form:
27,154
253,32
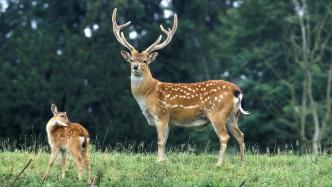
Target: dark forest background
278,52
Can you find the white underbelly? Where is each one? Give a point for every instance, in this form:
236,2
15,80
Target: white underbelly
196,123
63,147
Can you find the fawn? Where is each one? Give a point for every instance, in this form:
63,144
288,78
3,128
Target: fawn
65,136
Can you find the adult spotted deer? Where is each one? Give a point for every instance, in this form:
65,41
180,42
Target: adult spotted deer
65,136
180,104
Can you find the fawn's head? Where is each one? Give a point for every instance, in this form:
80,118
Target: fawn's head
139,61
59,118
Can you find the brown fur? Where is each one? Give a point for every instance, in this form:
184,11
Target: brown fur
182,104
65,136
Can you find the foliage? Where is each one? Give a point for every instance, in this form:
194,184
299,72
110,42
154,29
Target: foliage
45,57
181,169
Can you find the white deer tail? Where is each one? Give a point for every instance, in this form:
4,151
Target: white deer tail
238,94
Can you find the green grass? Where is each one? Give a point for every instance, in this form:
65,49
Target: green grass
180,169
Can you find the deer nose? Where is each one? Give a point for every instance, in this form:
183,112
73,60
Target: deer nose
135,67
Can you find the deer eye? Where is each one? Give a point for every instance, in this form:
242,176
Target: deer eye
62,115
145,61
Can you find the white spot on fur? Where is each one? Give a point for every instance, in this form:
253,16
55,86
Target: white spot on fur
174,106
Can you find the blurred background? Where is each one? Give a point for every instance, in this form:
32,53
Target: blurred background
278,52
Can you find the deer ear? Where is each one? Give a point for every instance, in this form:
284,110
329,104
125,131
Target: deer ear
126,55
152,57
54,109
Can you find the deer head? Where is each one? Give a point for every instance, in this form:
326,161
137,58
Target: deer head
59,118
139,61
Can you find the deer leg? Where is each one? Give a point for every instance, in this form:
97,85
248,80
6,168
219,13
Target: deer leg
219,125
162,131
53,157
238,135
87,163
63,163
78,158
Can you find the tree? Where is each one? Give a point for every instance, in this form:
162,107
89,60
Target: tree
310,48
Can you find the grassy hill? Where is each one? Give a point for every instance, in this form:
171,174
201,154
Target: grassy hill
181,169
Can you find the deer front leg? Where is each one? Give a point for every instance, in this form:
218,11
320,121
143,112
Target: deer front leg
63,163
162,131
53,157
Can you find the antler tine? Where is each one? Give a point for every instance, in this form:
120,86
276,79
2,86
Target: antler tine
116,30
126,42
148,50
164,30
170,33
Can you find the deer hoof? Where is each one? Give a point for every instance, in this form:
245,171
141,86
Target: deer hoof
219,163
160,160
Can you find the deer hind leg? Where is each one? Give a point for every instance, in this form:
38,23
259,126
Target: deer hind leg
162,131
219,125
76,153
238,135
86,163
53,157
63,163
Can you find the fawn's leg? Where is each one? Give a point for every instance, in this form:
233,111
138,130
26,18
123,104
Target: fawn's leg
87,163
75,151
63,163
53,157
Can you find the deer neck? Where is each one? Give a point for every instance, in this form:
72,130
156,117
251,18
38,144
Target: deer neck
49,129
50,126
144,85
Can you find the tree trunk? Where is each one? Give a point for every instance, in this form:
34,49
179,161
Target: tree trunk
308,75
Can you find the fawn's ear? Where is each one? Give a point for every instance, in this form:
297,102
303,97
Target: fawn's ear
126,55
152,57
54,109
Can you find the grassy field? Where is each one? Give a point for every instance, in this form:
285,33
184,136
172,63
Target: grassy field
180,169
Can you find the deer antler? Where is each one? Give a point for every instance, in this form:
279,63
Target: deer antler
169,33
120,36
